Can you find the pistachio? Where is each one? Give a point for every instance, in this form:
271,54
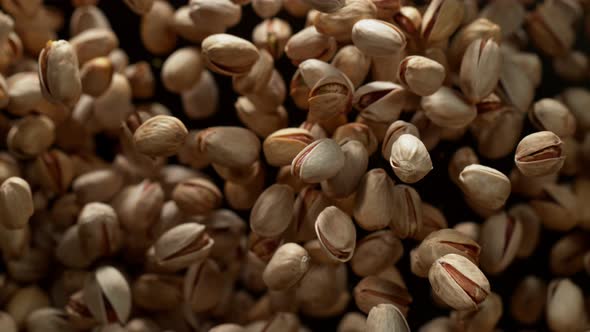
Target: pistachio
318,161
531,226
160,136
380,101
386,317
155,29
310,44
440,243
99,230
441,19
336,233
373,209
480,69
358,132
93,43
375,252
539,154
377,38
287,266
486,317
421,75
339,24
500,239
353,63
447,108
323,6
229,55
182,69
48,319
197,196
347,180
484,186
16,203
330,97
272,35
140,7
96,76
565,306
458,282
155,292
567,254
141,79
550,30
551,115
203,286
409,158
209,12
273,211
108,296
182,246
31,136
528,300
232,147
372,291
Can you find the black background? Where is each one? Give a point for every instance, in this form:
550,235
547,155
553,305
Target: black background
435,189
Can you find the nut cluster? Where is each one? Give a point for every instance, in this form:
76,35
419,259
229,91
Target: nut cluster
389,158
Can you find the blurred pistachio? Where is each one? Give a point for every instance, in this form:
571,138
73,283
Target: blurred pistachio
528,299
551,115
515,87
272,35
478,28
7,323
233,147
500,239
567,254
286,267
140,7
447,108
49,319
353,63
99,230
16,203
182,69
26,301
155,292
375,252
138,206
309,43
441,19
531,228
372,291
211,12
565,306
141,79
377,38
93,43
386,317
197,196
96,76
557,208
347,180
201,100
485,318
155,28
339,24
550,30
266,8
352,322
273,211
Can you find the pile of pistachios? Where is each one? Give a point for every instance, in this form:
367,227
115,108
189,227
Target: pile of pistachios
122,213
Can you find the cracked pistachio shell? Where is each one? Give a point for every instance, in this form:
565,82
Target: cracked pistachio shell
557,208
458,282
410,159
97,186
550,30
346,181
272,35
447,108
336,233
485,318
386,317
480,69
182,246
440,243
421,75
182,69
16,203
233,147
528,299
358,132
441,19
551,115
531,227
160,136
500,238
140,7
484,186
373,290
99,230
108,296
138,206
318,161
310,44
286,267
375,252
330,97
380,101
407,221
565,309
229,55
378,38
58,73
567,254
273,211
539,154
373,209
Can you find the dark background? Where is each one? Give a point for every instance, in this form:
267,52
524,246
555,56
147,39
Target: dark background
435,189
